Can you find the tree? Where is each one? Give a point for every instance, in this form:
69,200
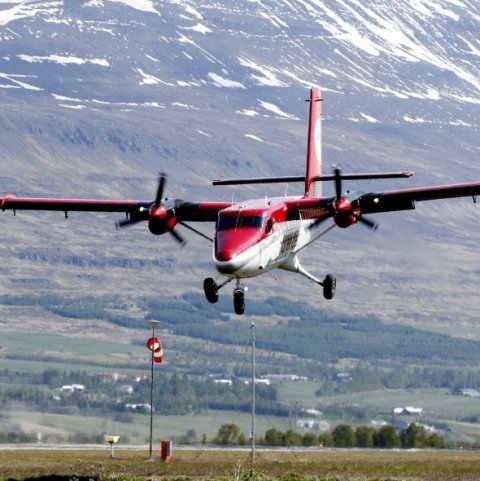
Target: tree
343,436
386,437
325,439
413,437
227,435
365,436
436,441
273,437
310,439
291,438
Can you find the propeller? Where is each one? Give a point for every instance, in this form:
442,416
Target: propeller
133,218
162,180
367,222
160,216
346,208
337,172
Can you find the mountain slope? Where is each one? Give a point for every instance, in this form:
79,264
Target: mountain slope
98,96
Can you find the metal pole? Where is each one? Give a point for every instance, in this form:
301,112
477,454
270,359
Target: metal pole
252,326
153,324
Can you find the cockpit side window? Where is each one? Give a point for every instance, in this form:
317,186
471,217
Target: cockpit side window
268,225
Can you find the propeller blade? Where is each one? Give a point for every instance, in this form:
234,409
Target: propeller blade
369,223
178,237
161,186
338,181
133,218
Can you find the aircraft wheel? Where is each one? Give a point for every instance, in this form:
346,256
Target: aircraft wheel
210,289
329,286
239,301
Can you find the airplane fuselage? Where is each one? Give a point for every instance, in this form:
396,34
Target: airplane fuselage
257,236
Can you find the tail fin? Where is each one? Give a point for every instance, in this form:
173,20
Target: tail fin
314,148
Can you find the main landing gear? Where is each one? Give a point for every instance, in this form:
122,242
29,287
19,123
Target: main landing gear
329,285
211,289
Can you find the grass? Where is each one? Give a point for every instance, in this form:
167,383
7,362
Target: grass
200,464
137,432
436,403
69,348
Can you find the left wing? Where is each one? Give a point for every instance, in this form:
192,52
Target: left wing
186,211
10,202
405,199
162,215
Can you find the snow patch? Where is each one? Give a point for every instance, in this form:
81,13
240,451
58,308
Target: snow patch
248,113
416,120
267,78
276,110
62,60
369,118
147,79
73,107
460,123
254,137
198,28
184,106
66,99
219,81
201,132
16,83
192,11
154,105
142,5
25,10
275,21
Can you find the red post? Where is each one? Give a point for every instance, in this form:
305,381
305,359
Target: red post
166,450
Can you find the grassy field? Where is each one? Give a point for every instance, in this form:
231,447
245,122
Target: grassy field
438,405
236,465
137,431
118,354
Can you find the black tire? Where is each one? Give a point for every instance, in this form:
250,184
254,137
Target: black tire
210,289
329,286
239,301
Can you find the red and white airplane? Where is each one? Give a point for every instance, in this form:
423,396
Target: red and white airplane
256,236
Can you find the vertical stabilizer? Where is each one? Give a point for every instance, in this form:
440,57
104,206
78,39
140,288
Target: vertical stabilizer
314,146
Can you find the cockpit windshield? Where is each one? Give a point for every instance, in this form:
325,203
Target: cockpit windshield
234,221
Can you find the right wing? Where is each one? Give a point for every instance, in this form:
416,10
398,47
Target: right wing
405,199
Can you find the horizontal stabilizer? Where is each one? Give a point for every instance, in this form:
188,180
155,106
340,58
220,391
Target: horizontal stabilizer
297,178
260,180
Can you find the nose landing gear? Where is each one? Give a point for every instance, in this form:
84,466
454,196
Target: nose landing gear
239,299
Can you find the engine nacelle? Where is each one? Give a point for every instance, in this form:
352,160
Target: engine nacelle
344,214
161,220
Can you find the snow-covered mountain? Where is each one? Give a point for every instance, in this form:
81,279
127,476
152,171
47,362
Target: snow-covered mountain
98,96
138,53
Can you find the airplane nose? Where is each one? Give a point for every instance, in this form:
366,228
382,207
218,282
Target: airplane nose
226,255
